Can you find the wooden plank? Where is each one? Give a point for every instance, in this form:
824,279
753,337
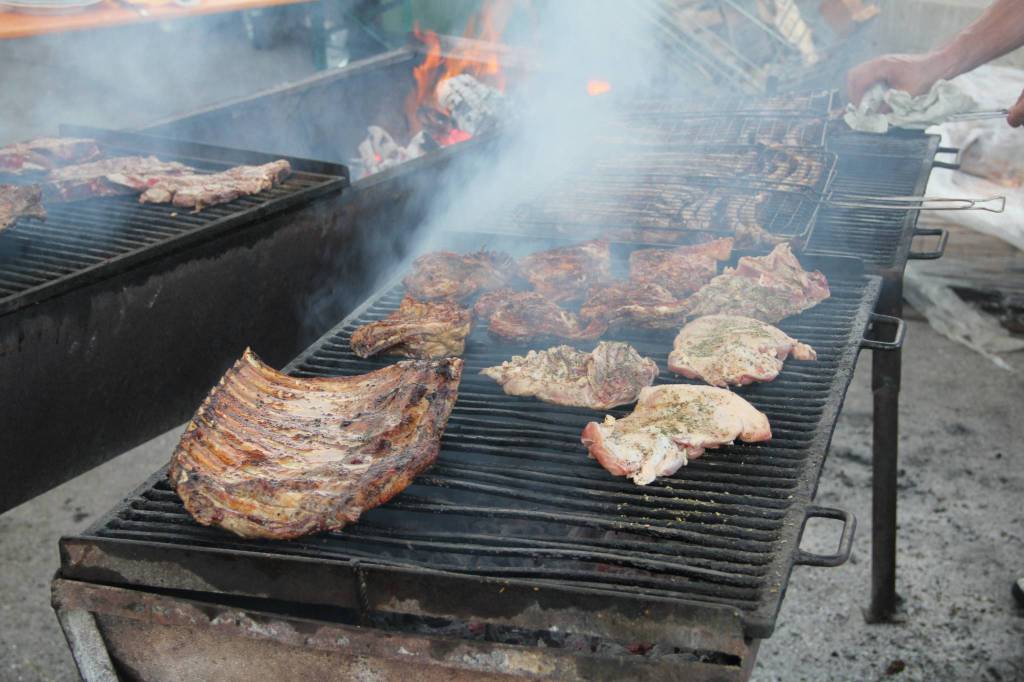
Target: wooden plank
111,13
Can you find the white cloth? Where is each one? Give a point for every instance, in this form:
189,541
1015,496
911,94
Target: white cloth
908,111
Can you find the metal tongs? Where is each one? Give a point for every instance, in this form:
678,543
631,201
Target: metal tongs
978,115
912,203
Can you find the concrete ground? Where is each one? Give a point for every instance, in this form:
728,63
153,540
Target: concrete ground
961,538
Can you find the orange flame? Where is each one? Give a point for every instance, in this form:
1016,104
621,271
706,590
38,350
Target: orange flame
483,64
596,87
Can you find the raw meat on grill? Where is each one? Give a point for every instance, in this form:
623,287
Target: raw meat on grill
109,177
728,350
769,288
671,425
199,190
46,153
274,456
566,274
682,270
20,200
628,304
526,315
455,276
611,375
418,329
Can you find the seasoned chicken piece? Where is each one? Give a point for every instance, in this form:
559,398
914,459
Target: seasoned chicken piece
769,288
682,270
268,455
671,425
728,350
628,304
417,330
455,276
611,375
17,201
526,315
566,274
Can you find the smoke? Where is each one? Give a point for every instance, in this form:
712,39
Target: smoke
554,121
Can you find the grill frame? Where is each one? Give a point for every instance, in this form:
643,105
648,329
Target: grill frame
67,222
91,554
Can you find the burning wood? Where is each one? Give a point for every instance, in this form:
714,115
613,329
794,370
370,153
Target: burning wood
474,106
379,151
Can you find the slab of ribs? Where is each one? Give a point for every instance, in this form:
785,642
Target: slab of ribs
269,455
418,329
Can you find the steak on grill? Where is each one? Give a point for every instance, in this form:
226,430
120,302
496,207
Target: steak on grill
527,315
611,375
682,270
628,304
671,425
769,288
45,153
417,329
199,190
20,200
728,350
109,177
566,274
273,456
455,276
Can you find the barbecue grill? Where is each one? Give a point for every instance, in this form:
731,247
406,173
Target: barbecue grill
107,279
515,533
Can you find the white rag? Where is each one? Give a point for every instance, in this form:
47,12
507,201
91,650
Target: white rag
908,111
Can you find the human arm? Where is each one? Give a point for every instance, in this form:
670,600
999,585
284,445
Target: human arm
999,30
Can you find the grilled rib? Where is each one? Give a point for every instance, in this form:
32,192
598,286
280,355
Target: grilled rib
455,276
566,274
682,270
108,177
273,456
45,153
637,305
199,190
527,315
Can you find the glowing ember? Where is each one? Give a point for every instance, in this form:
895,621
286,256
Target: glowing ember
454,137
596,87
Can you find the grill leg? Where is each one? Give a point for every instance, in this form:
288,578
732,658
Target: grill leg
886,369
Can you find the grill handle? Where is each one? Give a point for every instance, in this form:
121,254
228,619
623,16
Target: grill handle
897,338
940,249
912,203
803,558
949,165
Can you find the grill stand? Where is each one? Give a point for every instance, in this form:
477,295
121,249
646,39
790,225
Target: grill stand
886,377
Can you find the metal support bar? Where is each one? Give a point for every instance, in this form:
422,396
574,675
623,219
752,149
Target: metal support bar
886,368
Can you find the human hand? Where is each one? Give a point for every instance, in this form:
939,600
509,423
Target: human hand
913,73
1016,116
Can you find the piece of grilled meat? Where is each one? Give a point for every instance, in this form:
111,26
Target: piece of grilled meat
527,315
729,350
17,201
567,273
455,276
268,455
768,288
611,375
629,304
199,190
671,425
109,177
46,153
682,270
418,329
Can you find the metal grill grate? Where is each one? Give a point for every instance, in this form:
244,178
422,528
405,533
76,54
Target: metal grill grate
514,496
799,131
810,104
86,240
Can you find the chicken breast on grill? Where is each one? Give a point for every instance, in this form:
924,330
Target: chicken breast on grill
527,315
567,273
611,375
730,350
682,270
455,276
417,330
671,425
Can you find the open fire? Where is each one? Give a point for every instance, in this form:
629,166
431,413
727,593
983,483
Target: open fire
456,96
